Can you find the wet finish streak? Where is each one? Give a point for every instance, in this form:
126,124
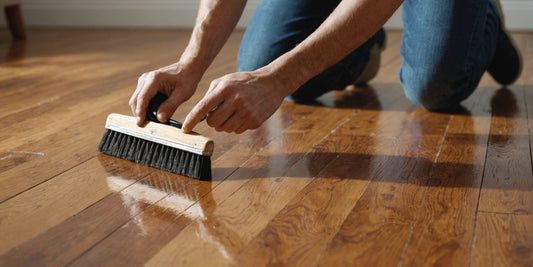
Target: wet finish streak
360,177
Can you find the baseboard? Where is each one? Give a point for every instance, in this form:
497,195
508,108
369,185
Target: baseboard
181,14
156,14
518,14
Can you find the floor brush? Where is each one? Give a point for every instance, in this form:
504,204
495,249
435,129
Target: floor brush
158,145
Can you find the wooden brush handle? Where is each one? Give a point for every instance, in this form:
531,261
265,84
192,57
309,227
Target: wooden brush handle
161,133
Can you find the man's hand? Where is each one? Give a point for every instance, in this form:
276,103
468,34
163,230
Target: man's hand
174,80
237,102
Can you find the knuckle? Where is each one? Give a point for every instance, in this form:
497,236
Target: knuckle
255,122
222,83
210,122
156,75
149,76
145,76
225,88
238,103
202,108
247,112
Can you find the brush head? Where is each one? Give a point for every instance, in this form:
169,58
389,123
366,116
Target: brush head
156,155
159,145
161,133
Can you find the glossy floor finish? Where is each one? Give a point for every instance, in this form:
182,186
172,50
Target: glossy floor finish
359,178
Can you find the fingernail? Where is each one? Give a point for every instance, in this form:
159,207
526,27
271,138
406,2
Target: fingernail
162,117
185,128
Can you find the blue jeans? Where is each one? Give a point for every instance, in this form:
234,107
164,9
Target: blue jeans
446,46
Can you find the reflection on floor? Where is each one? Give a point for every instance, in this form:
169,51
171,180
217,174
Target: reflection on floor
358,177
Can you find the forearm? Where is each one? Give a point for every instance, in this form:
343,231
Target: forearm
349,26
214,23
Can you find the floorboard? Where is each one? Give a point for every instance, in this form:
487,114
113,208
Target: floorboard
507,182
360,177
444,228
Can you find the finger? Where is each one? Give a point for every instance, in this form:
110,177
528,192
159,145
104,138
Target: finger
133,99
133,102
208,103
221,113
146,93
233,122
241,129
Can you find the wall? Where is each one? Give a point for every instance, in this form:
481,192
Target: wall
179,13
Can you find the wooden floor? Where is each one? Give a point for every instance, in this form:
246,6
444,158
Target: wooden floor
361,178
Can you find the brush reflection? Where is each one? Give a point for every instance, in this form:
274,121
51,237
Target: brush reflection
154,196
173,195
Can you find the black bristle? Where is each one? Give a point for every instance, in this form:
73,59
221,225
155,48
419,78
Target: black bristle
155,155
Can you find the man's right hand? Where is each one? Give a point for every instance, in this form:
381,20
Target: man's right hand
175,81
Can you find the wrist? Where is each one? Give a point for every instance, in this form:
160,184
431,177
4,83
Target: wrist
287,75
189,69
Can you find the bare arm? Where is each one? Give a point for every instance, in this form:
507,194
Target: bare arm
350,25
241,101
214,23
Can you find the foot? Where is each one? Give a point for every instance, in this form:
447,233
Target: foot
372,67
506,65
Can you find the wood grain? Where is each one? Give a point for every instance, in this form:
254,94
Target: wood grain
507,184
298,233
382,217
59,244
160,224
504,225
51,159
444,229
255,168
33,212
359,177
503,240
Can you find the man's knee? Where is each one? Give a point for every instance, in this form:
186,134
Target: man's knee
436,90
424,93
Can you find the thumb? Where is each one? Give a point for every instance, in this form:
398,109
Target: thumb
167,108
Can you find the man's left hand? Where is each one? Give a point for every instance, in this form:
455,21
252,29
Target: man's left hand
237,102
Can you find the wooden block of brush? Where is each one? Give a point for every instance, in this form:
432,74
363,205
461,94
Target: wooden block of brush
161,133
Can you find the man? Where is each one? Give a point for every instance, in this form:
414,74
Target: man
300,49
